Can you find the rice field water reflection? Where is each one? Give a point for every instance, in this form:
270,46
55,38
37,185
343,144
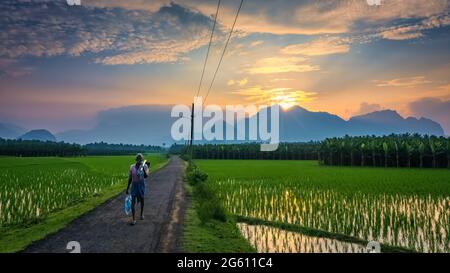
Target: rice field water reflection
417,222
273,240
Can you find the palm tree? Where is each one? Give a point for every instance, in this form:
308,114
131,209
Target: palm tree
447,149
341,152
396,153
351,147
421,153
329,145
433,151
363,147
439,149
409,151
386,151
448,153
373,148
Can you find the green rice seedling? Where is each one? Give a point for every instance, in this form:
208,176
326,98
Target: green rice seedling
408,208
31,188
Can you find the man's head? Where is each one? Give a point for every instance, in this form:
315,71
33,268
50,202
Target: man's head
139,158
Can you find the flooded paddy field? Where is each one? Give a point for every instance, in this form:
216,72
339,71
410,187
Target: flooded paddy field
407,208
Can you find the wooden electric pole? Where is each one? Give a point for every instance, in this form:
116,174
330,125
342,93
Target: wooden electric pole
192,130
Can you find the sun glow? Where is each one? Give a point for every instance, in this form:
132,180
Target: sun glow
285,97
285,101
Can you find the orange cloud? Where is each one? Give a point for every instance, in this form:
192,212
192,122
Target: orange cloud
281,65
322,46
404,82
237,82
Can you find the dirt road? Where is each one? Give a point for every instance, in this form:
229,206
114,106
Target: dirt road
107,228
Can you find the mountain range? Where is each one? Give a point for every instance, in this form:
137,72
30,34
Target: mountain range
151,124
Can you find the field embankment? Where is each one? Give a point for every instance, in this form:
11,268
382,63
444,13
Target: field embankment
208,228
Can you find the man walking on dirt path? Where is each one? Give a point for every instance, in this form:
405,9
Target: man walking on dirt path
105,229
136,177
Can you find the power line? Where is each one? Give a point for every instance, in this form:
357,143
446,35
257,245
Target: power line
209,47
201,78
223,53
217,69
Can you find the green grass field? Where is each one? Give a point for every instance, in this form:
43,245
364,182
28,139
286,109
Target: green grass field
408,208
41,195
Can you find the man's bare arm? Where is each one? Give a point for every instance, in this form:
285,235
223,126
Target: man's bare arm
129,182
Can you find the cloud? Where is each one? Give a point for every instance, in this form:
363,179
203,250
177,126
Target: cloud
115,36
286,97
10,68
401,33
318,47
309,17
366,108
151,6
281,79
167,52
332,17
164,31
256,43
446,88
281,65
433,108
404,82
406,32
237,82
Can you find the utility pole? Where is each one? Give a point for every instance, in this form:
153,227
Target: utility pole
192,129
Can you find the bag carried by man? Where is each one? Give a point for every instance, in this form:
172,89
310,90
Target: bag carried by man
127,206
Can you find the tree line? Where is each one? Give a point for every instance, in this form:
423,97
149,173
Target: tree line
28,148
103,148
387,151
409,151
285,151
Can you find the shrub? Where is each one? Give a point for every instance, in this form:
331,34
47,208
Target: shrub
196,176
208,206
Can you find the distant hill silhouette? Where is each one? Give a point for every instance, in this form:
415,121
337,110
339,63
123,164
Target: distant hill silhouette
299,124
151,124
10,131
388,122
148,124
41,134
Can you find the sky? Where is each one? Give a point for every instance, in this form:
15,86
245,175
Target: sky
61,64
